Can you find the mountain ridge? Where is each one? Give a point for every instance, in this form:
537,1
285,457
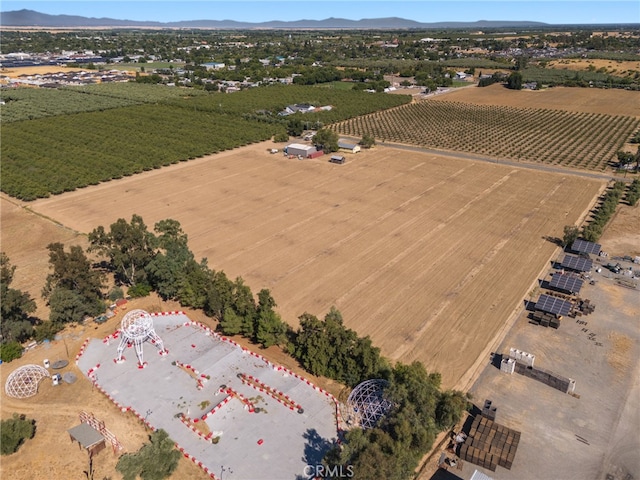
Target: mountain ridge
31,18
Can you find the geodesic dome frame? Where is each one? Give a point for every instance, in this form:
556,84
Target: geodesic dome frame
136,328
366,403
23,382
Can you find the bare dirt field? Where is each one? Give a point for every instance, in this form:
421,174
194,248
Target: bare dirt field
427,255
617,67
610,102
39,70
621,236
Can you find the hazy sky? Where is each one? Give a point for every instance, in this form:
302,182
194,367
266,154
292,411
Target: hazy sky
549,11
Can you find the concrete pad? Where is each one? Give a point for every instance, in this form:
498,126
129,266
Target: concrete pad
275,441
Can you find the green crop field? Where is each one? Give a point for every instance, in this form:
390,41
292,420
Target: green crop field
105,132
581,140
30,103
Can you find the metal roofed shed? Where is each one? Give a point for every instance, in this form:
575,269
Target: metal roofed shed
566,283
346,145
582,246
299,149
554,305
578,264
339,159
88,438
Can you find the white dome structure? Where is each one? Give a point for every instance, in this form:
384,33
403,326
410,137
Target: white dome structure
366,403
136,328
23,382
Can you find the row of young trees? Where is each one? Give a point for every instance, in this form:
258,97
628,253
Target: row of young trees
633,194
603,213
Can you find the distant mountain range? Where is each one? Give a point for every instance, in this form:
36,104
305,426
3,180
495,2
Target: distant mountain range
30,18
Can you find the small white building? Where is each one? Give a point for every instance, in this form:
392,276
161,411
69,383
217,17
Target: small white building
346,145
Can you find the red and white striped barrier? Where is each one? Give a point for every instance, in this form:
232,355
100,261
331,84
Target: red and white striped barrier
82,349
195,460
272,392
215,409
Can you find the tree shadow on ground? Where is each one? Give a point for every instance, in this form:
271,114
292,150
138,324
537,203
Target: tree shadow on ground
315,449
555,240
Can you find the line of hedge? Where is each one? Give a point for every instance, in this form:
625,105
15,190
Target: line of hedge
593,230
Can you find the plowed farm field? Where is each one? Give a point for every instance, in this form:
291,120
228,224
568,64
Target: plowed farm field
428,255
584,100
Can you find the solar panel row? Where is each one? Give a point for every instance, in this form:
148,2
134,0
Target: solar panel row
577,263
583,246
568,283
557,306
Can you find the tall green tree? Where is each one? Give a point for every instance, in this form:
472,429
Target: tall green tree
570,234
328,348
130,247
15,306
14,431
514,81
73,289
166,269
327,140
367,141
270,329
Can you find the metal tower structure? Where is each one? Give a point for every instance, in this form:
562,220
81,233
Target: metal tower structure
136,328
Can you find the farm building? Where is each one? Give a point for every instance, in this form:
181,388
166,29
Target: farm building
88,438
305,151
345,145
339,159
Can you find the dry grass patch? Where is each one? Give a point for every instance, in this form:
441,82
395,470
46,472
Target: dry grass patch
587,100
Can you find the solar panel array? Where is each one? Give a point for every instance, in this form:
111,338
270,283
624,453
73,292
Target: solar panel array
568,283
577,263
583,246
554,305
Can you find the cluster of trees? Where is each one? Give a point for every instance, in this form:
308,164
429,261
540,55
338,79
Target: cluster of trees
633,194
627,158
73,290
592,231
154,461
16,322
420,411
327,348
514,81
161,261
14,431
327,140
495,78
